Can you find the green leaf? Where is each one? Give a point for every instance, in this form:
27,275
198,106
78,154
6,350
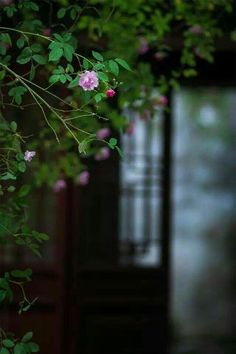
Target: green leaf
11,189
58,37
102,76
32,73
4,351
33,347
2,74
61,13
39,59
13,126
36,47
99,96
56,51
19,349
20,42
22,273
16,93
114,68
24,190
68,51
8,343
33,6
123,63
73,14
6,176
98,66
97,56
86,64
27,337
21,166
74,82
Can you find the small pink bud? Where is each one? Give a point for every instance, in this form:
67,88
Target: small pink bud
110,93
103,133
59,185
102,154
83,178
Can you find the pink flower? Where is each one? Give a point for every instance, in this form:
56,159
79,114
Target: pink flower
110,93
144,47
163,100
88,80
29,155
196,29
102,154
103,133
83,178
59,185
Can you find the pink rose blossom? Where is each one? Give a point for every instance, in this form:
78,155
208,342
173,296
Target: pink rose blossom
59,185
103,133
29,155
110,93
83,178
88,80
144,47
102,154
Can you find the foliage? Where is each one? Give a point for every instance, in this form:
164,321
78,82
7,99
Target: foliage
42,60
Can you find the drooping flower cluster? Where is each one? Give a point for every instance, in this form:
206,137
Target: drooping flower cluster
88,80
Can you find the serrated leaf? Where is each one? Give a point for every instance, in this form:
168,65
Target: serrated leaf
21,166
114,68
32,73
61,13
86,64
73,14
13,126
55,54
74,82
24,190
68,51
123,63
8,343
21,273
27,337
20,42
39,59
97,56
102,76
